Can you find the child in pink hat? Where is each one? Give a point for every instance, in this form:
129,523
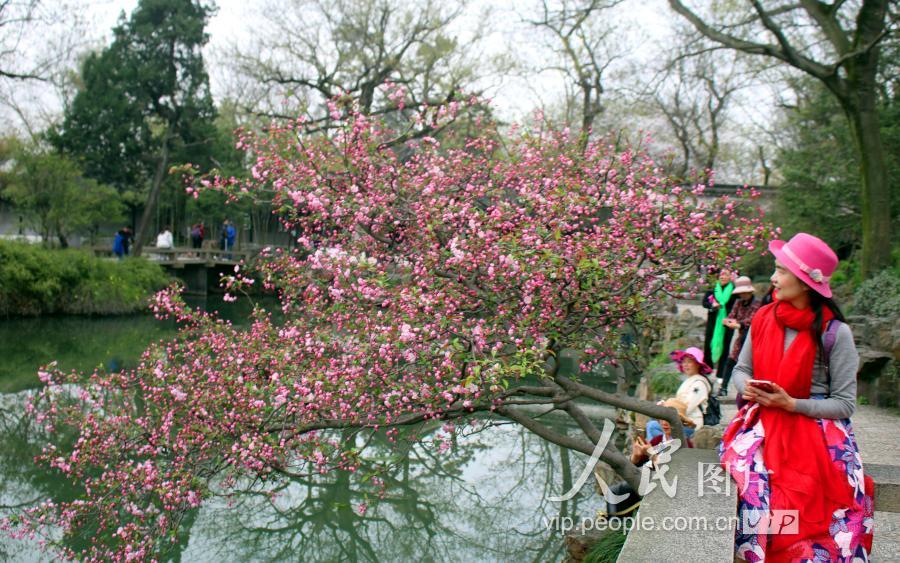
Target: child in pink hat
693,392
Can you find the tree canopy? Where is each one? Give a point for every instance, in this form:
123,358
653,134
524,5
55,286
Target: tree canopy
55,196
838,44
144,104
436,286
818,165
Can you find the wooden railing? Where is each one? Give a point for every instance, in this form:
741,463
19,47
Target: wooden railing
181,256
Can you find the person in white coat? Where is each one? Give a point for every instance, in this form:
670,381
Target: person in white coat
164,239
693,392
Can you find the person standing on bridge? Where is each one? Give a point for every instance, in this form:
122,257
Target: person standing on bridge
127,239
229,235
119,244
164,239
790,448
719,300
197,234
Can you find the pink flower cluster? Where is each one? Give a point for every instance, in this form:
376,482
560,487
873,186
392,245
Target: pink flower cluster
432,278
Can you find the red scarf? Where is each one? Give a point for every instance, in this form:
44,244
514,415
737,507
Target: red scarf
802,475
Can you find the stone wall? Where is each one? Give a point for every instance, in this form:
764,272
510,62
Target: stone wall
878,342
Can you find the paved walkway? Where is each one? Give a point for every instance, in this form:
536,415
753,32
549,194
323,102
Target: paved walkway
877,432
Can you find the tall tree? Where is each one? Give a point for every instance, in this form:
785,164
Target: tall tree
817,162
839,44
51,192
145,104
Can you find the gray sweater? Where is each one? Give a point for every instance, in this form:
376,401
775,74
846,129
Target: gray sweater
844,361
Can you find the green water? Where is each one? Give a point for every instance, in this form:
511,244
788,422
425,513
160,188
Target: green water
88,343
484,500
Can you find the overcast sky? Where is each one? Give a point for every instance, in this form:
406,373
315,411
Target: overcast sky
644,30
643,23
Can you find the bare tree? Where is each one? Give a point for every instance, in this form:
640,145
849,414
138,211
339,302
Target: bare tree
15,17
694,93
39,42
312,51
838,43
582,44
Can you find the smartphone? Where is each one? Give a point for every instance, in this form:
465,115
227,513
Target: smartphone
762,384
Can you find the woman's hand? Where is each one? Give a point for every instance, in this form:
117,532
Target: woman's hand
731,323
640,449
778,398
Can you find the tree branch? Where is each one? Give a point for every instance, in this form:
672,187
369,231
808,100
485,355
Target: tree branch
793,58
625,402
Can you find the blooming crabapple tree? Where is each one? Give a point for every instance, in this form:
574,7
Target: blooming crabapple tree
431,283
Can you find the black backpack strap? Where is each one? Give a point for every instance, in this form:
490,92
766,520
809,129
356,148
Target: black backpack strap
704,404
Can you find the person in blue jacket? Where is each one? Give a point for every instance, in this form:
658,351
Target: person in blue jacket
121,242
229,234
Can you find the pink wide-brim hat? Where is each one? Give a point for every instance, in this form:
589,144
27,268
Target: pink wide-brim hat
693,352
743,285
809,258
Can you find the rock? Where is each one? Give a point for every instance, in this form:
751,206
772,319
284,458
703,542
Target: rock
603,471
878,382
708,437
579,541
878,333
895,337
686,318
878,342
872,363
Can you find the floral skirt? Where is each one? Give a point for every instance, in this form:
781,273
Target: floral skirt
851,529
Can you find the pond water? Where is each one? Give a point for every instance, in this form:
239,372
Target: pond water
483,500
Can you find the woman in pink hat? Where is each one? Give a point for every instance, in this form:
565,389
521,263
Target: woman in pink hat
791,448
692,395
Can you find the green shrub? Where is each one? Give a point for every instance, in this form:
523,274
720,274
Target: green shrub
38,281
664,382
879,295
606,549
846,274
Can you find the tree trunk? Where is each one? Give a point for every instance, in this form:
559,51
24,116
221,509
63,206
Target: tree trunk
586,119
143,232
875,207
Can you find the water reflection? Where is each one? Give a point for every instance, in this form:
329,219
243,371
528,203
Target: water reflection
483,500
